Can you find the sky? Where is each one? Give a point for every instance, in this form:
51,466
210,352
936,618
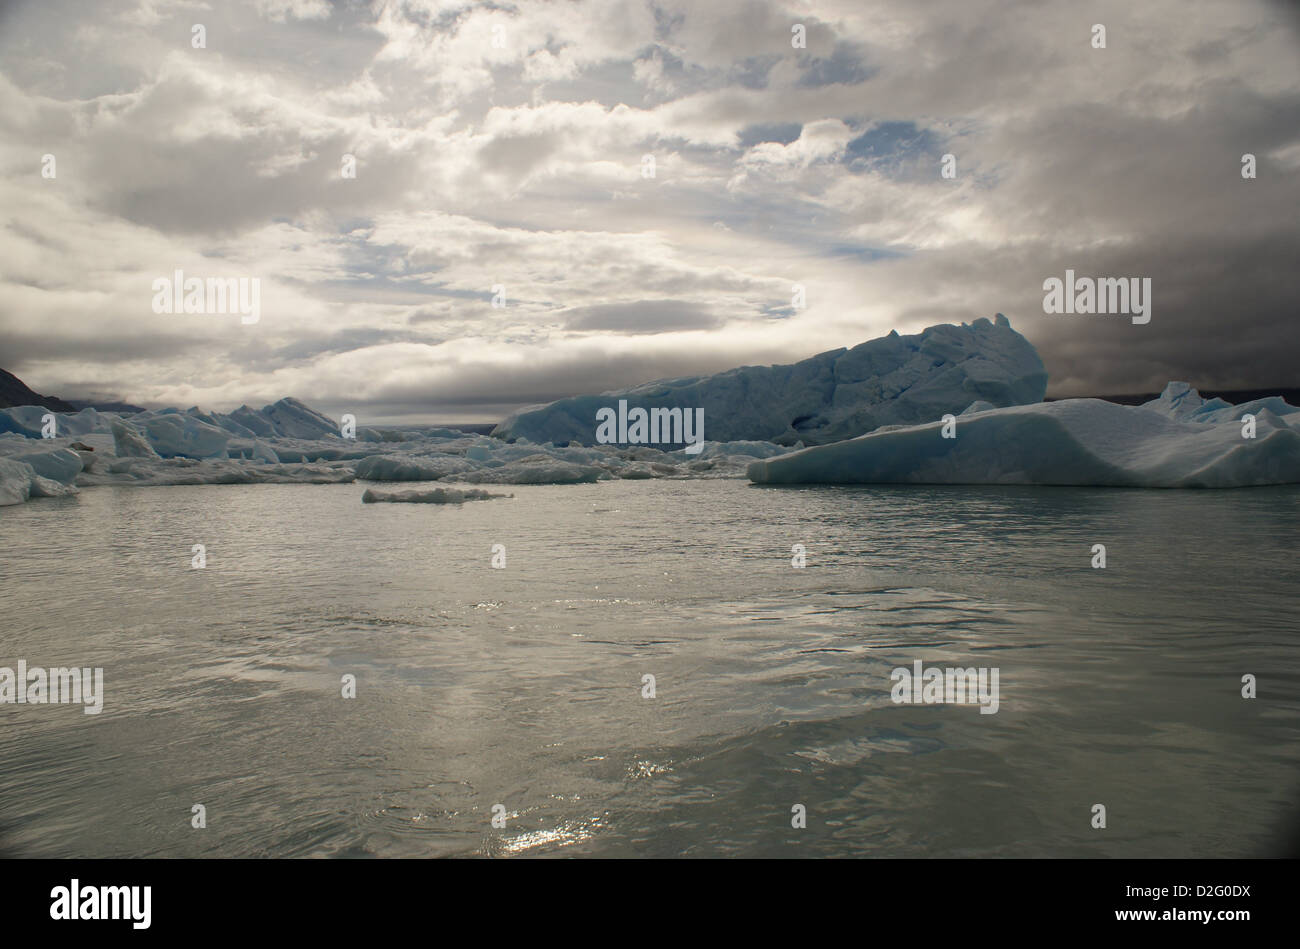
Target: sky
503,145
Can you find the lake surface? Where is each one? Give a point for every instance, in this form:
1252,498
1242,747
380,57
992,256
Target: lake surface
523,686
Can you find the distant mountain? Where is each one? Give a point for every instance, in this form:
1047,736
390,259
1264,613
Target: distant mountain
14,392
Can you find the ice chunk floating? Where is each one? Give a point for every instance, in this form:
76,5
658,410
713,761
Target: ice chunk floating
431,496
1176,441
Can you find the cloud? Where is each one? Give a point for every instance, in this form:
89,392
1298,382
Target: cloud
642,316
504,146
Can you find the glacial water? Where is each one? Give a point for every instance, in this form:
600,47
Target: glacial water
523,686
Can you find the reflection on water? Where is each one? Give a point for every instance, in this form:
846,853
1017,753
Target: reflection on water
523,687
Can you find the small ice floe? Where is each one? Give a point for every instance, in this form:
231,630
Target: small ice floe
430,496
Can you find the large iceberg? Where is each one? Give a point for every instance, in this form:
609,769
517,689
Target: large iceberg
827,398
1175,441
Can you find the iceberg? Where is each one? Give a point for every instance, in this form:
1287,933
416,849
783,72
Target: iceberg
538,468
827,398
264,452
292,419
128,443
974,373
411,468
285,442
28,420
144,472
57,464
1171,442
19,481
1181,401
185,436
23,420
288,418
247,422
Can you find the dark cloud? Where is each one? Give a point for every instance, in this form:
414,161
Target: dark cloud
23,349
844,66
463,394
1223,317
643,316
781,132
